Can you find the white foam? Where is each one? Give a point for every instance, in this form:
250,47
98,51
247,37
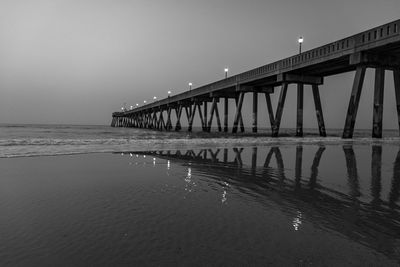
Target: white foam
57,146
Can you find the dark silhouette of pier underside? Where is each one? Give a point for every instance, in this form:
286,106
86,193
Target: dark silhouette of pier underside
377,48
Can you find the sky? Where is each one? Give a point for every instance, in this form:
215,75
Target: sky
77,61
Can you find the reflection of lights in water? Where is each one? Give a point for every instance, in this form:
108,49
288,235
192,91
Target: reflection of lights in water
122,154
223,200
130,154
137,155
224,194
297,221
168,165
189,175
188,180
144,156
154,161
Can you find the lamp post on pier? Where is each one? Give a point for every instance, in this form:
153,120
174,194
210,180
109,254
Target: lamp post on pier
301,40
226,72
169,93
190,86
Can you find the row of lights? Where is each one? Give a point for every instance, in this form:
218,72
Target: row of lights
226,70
169,92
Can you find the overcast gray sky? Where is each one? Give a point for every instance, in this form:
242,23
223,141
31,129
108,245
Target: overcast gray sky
77,61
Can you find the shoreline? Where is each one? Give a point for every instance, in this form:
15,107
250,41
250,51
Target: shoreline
10,151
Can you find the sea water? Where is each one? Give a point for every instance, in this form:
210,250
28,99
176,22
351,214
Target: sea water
40,140
198,199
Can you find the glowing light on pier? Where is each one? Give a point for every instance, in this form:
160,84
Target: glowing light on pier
301,40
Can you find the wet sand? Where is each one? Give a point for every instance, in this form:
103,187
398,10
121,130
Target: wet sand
286,205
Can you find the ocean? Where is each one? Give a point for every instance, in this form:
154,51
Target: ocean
47,140
96,195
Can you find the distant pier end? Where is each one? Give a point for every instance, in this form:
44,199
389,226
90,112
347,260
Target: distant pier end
377,48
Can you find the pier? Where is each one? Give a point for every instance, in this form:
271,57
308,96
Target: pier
377,48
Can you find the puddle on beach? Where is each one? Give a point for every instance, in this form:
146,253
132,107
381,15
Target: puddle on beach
301,205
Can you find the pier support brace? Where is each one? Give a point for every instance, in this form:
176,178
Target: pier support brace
300,104
203,122
238,114
211,115
188,110
318,110
205,128
354,101
192,113
226,106
178,112
270,109
214,109
169,122
255,110
279,110
378,102
396,76
161,121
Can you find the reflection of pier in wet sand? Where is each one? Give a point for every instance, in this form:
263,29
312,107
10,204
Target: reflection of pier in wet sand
375,223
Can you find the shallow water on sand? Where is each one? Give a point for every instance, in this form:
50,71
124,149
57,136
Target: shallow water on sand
285,205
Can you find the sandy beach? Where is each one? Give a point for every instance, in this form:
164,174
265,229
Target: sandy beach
264,205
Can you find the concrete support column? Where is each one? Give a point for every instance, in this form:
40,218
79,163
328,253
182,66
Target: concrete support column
279,110
238,114
300,104
205,128
255,111
226,103
353,103
378,103
318,110
396,77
